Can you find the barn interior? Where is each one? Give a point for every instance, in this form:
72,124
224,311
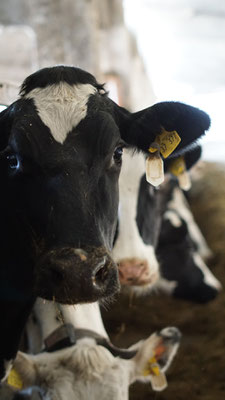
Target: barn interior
145,51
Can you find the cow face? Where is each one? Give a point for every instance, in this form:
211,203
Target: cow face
62,197
61,146
138,225
141,211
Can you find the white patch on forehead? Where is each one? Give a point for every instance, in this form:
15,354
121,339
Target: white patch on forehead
209,278
61,106
129,243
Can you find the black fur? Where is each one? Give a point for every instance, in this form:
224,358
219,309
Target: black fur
175,253
189,122
49,76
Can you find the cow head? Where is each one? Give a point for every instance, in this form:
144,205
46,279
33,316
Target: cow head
140,215
79,371
61,147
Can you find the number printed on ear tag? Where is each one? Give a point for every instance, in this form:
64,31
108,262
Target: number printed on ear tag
167,141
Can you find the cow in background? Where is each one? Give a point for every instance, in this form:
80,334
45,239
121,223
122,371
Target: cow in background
140,228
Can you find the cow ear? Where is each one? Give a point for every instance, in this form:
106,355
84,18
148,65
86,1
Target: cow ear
154,357
143,128
190,158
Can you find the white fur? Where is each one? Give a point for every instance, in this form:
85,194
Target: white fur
180,205
51,315
173,218
85,316
61,106
209,278
166,286
48,316
129,243
89,371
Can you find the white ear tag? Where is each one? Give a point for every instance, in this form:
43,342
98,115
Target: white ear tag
184,180
158,382
154,169
178,168
156,376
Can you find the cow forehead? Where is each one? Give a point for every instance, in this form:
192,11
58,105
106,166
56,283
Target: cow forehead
61,106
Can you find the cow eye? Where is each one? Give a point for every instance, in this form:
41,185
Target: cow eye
117,156
13,161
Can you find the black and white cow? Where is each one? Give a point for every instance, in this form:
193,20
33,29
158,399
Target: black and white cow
140,265
90,367
61,147
140,215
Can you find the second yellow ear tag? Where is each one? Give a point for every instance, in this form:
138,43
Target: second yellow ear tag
167,141
14,379
177,166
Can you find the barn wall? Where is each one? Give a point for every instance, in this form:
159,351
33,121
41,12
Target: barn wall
90,34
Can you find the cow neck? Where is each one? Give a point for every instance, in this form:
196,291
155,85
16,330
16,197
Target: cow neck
67,335
62,326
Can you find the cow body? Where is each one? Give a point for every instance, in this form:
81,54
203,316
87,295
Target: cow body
60,157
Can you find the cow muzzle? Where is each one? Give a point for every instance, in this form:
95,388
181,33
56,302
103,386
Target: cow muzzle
136,272
70,275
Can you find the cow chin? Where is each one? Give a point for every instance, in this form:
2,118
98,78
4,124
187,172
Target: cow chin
72,275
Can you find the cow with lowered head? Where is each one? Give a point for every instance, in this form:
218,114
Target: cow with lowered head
61,147
140,215
158,243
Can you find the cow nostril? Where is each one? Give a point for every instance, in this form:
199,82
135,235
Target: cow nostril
100,273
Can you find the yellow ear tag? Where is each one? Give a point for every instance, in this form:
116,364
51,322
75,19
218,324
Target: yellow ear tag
178,168
156,376
14,379
154,169
167,141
